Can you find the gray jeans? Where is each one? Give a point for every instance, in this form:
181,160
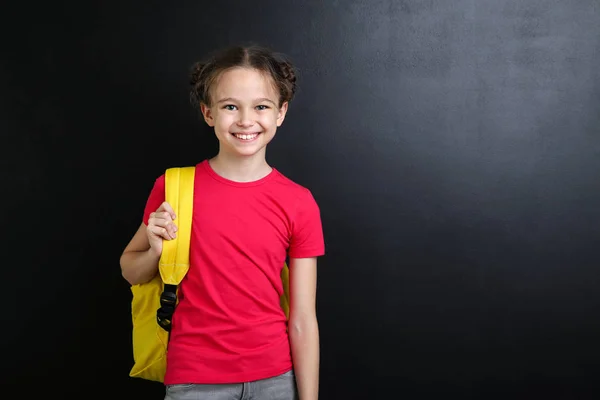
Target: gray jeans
282,387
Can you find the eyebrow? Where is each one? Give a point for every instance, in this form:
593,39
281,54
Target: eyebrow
257,100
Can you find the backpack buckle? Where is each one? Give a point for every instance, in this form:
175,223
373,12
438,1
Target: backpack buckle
168,299
164,315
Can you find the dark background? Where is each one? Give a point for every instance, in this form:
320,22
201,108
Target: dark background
453,147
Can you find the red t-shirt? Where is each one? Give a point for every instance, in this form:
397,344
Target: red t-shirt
229,326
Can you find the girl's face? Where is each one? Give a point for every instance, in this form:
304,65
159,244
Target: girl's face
244,112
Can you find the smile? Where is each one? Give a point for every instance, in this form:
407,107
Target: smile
246,137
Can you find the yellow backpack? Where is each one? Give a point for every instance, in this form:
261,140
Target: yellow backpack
154,302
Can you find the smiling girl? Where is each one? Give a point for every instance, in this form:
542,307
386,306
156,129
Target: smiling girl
230,339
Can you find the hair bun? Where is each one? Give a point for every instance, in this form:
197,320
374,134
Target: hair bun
196,72
288,73
196,82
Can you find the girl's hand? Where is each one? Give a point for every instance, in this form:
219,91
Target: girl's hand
161,227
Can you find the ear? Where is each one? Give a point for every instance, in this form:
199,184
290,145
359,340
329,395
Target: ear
281,114
208,115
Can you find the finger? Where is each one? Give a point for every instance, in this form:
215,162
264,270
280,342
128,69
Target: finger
164,215
167,207
160,232
171,228
165,223
160,218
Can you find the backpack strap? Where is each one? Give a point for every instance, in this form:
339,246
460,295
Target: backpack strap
174,261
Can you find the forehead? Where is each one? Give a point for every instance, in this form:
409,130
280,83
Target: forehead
244,83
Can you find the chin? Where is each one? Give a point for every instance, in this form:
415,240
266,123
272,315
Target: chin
248,153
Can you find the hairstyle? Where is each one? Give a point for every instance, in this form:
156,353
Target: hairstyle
205,73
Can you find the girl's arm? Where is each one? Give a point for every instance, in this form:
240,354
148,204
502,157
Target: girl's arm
139,262
303,326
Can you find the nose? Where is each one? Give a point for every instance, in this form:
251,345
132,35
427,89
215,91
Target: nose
245,119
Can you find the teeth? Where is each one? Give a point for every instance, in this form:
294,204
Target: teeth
246,137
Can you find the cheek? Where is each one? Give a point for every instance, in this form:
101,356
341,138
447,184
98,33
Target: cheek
269,119
224,121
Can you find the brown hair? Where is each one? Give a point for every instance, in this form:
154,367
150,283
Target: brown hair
205,73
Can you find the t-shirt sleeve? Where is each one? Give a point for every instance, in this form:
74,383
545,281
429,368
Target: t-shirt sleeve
307,231
155,199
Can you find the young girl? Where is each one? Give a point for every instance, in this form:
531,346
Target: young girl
230,338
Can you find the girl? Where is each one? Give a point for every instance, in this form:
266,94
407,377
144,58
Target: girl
230,338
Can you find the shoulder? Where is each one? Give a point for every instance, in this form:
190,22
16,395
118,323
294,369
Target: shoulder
300,196
291,187
306,240
199,168
160,179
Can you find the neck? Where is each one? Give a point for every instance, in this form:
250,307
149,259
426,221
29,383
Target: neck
240,169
